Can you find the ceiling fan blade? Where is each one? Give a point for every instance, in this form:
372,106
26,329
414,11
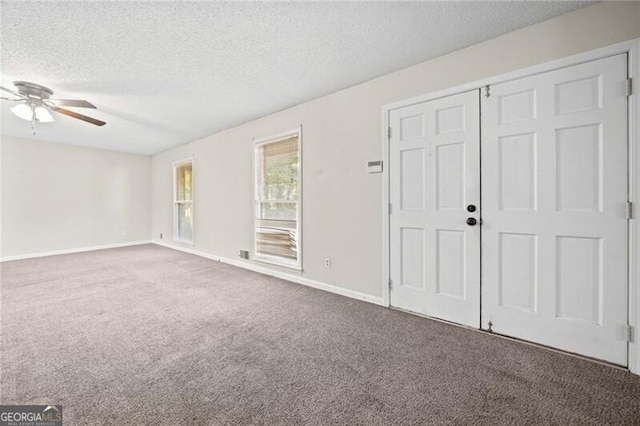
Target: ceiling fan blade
78,116
72,103
13,92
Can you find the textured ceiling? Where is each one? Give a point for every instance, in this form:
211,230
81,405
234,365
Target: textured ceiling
166,73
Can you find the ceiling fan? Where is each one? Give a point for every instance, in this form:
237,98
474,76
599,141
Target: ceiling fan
35,103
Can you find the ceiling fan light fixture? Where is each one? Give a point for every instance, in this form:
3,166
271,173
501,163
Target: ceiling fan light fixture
42,115
26,111
23,111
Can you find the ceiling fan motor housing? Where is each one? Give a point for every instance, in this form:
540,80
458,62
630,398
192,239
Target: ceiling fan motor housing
33,90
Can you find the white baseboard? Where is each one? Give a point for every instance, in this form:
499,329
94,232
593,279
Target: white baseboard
279,274
75,250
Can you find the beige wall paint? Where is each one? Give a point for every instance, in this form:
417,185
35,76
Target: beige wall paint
61,197
342,213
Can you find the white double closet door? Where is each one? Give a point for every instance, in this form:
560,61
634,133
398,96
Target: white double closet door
544,256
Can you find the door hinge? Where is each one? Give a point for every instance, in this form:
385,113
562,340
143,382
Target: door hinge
487,91
630,333
390,283
629,86
389,132
390,208
629,210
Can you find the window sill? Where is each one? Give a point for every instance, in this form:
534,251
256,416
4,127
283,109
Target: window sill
274,262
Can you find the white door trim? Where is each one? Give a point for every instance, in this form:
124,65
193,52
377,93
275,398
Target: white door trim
632,48
634,194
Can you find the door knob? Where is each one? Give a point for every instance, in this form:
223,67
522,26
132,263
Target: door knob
471,208
471,221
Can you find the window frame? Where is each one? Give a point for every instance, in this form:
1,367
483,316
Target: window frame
264,258
176,202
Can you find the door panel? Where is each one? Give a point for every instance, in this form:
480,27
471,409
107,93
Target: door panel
434,175
554,188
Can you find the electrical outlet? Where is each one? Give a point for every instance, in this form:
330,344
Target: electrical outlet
244,254
327,262
124,232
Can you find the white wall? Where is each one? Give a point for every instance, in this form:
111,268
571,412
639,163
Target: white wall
60,197
342,204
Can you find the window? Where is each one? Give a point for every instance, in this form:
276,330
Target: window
277,199
183,200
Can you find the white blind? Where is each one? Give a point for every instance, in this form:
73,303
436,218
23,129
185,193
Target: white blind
277,199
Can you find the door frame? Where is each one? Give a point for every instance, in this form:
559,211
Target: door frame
632,49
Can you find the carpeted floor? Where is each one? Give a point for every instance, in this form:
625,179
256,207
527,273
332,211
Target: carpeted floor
148,335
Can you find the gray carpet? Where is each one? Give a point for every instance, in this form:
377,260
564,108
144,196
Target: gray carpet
148,335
